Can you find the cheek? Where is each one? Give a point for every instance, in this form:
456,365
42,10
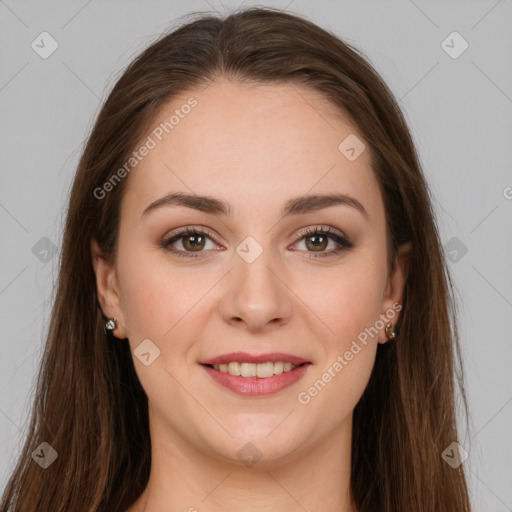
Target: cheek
349,303
347,300
350,309
150,299
160,301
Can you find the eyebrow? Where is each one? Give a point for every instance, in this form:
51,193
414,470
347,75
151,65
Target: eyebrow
295,206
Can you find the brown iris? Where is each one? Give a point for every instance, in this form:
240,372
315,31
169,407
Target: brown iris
317,244
196,241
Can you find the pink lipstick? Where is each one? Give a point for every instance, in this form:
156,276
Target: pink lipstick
256,374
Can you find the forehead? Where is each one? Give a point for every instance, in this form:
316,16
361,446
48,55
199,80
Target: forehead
242,142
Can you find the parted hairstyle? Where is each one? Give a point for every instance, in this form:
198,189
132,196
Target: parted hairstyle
89,404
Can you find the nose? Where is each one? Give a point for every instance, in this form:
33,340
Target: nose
256,296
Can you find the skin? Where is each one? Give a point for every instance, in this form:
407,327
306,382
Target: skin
255,147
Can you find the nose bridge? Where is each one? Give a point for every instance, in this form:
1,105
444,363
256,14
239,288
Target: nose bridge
257,295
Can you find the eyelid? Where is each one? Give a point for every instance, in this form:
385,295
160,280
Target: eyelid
324,228
190,229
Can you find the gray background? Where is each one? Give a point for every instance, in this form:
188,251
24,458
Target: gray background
459,111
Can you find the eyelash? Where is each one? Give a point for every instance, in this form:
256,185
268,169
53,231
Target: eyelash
343,243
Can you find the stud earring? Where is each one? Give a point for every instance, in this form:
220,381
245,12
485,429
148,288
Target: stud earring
390,331
110,326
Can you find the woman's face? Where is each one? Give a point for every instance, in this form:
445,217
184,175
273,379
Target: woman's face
255,284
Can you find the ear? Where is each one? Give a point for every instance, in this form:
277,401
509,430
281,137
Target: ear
107,289
394,292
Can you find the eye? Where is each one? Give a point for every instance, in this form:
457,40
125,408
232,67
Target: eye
194,241
317,239
191,240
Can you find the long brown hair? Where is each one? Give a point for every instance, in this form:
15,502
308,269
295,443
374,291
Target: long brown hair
90,406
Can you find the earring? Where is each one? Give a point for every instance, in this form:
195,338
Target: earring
110,326
390,331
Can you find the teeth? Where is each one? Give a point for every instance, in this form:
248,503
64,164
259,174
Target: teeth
248,369
233,368
261,370
278,368
265,370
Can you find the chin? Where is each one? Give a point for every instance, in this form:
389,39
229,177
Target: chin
261,446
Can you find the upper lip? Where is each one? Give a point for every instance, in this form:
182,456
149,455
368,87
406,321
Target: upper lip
244,357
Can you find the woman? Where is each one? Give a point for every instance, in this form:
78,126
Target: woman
253,308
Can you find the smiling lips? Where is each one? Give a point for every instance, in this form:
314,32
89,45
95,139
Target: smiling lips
254,375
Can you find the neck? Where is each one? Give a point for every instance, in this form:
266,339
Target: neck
186,478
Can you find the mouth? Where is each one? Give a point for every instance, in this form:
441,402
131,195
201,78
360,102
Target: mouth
260,375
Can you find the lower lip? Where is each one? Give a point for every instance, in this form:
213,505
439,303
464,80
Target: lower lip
254,386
